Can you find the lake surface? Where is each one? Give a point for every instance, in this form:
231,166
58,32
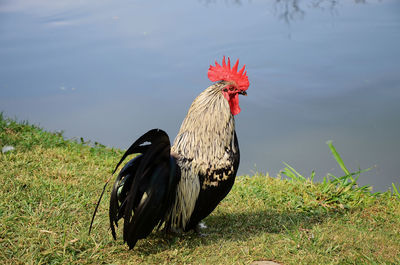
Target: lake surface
111,70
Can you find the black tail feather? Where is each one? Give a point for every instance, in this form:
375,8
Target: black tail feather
145,188
139,146
124,177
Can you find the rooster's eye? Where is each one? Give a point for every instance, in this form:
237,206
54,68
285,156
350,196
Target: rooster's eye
230,88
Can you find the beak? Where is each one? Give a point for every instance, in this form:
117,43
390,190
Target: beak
244,93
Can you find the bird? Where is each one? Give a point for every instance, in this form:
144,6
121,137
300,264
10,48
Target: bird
176,186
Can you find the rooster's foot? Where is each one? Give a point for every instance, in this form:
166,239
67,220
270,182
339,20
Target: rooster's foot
199,229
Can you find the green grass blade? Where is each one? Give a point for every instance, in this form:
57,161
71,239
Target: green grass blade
338,158
297,175
395,191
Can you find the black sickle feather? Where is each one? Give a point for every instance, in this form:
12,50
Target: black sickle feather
137,147
145,188
127,178
151,176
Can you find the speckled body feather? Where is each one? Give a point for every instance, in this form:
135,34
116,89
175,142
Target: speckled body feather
207,151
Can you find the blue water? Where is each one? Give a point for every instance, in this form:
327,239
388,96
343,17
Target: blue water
111,70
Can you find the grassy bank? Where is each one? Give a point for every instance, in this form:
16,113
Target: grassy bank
49,187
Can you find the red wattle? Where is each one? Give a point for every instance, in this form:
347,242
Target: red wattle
233,100
234,104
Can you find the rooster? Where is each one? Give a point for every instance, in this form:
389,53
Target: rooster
177,186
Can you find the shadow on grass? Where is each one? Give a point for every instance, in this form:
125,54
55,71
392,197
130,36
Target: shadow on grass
235,227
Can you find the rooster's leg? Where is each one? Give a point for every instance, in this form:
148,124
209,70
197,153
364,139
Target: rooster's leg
173,231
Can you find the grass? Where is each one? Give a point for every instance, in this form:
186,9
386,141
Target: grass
49,187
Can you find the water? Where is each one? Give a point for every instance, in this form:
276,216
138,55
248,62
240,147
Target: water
111,70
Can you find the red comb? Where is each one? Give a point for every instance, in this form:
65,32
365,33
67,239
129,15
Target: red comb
224,72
